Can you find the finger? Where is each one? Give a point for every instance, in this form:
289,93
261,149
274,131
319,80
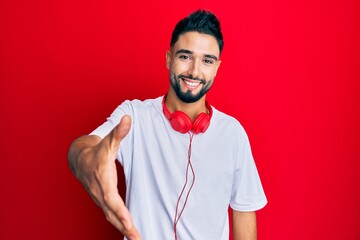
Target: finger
114,204
131,234
110,216
120,131
118,214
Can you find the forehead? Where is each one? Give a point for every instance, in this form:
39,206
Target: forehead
198,43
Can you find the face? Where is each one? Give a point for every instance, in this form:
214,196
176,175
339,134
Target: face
193,62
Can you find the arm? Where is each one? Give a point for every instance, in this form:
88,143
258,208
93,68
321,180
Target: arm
244,225
92,161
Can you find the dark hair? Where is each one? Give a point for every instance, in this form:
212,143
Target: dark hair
201,21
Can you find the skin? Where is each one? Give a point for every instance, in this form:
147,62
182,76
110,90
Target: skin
92,160
244,225
194,58
196,63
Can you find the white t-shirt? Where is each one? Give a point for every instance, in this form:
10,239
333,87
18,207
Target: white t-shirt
155,157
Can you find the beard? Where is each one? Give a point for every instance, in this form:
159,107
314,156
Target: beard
187,96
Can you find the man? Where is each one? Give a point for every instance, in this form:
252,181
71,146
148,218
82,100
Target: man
184,161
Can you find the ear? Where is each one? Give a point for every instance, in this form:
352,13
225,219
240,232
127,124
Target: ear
217,66
168,59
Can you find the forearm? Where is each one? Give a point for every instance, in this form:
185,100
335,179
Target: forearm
244,225
77,147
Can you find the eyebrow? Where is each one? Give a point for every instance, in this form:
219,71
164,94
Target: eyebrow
190,52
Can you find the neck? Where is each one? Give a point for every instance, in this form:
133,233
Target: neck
173,103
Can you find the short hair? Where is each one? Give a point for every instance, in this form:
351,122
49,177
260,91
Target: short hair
201,21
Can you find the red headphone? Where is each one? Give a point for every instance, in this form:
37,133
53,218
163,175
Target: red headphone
182,123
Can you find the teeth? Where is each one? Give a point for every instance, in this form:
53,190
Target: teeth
192,84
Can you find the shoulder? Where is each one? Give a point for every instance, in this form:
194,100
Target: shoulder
227,122
137,105
143,103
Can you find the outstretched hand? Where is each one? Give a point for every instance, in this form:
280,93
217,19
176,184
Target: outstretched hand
96,170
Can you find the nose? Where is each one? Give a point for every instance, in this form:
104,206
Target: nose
194,69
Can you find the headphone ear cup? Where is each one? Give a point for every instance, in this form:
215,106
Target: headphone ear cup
201,123
180,122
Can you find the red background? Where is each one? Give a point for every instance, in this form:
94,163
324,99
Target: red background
290,73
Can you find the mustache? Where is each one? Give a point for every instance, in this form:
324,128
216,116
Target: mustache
192,78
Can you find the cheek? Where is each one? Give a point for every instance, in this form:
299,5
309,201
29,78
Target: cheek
179,67
210,74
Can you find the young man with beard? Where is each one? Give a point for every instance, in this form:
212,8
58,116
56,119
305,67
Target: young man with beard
184,161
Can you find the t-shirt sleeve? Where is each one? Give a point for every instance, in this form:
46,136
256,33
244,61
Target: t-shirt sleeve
247,191
111,121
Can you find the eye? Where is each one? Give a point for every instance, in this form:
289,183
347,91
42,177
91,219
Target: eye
208,61
184,57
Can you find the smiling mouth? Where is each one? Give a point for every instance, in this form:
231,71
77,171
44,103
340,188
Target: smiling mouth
191,83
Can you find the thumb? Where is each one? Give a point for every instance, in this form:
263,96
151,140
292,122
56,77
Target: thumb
120,131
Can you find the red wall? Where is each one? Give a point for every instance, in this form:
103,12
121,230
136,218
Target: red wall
290,74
